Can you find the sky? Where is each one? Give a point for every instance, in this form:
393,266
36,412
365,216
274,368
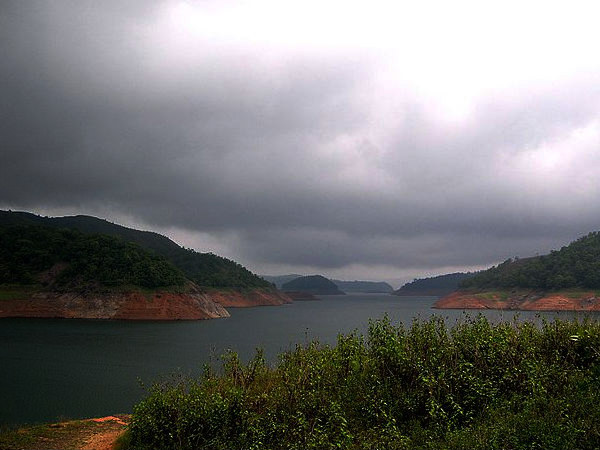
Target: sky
356,139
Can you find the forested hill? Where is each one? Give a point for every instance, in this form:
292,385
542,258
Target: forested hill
440,285
69,259
205,269
574,266
369,287
313,284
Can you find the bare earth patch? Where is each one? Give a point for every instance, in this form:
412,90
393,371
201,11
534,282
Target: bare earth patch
89,434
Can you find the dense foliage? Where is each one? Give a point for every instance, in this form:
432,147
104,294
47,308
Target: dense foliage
315,284
574,266
205,269
473,386
78,259
440,285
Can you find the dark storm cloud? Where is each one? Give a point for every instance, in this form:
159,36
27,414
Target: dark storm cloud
300,158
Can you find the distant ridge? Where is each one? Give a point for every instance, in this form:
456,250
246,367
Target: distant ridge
280,280
434,286
376,287
312,284
367,287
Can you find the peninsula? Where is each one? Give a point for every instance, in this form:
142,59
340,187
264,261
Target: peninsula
567,279
85,267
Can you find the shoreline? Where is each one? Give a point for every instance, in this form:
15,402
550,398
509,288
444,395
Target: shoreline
521,300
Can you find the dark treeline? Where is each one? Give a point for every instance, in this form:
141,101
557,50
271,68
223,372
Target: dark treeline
574,266
474,386
205,269
78,259
439,285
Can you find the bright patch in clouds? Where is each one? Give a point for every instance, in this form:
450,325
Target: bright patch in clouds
452,53
351,138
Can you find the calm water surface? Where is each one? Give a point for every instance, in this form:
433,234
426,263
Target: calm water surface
53,369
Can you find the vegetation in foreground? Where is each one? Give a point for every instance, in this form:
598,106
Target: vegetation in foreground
476,385
66,435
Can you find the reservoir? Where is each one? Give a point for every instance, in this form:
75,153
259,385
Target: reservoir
67,369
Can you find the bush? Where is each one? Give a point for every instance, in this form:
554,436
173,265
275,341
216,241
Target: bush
475,385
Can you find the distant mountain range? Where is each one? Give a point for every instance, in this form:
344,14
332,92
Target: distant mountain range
379,287
434,286
367,287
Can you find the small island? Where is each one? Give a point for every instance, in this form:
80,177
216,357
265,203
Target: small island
312,284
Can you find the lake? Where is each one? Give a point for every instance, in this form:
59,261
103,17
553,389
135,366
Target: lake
61,368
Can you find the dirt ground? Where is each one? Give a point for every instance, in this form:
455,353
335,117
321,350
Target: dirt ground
88,434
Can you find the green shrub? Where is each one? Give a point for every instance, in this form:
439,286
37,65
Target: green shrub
475,385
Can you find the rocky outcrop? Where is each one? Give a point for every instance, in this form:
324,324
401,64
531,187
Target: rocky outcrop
249,297
194,304
525,300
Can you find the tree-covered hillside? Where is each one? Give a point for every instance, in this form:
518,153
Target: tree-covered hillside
369,287
574,266
313,284
66,258
205,269
440,285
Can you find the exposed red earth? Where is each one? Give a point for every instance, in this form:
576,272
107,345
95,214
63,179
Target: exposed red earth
526,300
134,305
249,298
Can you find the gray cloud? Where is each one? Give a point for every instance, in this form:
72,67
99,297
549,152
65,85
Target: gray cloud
299,158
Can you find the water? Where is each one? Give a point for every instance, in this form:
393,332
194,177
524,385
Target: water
52,369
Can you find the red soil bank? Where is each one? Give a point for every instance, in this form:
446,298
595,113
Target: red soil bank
127,305
249,298
521,300
192,305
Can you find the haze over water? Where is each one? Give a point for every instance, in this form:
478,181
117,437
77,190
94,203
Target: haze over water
54,369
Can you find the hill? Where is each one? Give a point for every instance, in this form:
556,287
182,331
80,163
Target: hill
84,267
312,284
439,285
204,269
367,287
371,287
576,265
58,272
68,259
280,280
565,279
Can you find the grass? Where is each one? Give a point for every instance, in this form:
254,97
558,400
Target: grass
476,385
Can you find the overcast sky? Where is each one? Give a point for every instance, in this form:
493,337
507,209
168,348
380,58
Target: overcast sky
357,139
